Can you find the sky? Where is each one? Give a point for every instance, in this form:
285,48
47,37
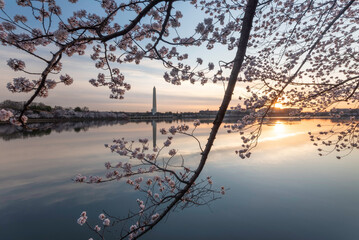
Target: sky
143,77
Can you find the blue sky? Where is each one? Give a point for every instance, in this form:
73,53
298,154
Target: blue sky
186,97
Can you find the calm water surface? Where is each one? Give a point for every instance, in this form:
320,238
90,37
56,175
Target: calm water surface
284,191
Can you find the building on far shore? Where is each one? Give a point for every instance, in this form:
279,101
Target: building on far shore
283,112
344,112
154,102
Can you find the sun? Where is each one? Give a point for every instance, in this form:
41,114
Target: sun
278,105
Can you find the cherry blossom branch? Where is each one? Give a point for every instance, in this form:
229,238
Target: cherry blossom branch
134,22
55,59
246,27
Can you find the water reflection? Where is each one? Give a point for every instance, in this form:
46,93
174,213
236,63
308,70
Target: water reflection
9,132
284,191
279,127
154,133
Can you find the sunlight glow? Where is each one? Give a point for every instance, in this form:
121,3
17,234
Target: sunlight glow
279,127
278,105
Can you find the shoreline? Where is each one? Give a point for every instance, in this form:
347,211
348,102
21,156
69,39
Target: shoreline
166,118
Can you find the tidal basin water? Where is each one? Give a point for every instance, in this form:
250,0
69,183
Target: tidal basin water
284,191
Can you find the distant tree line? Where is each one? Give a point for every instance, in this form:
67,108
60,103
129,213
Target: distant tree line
36,107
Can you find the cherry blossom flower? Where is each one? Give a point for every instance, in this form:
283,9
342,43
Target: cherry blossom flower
196,122
106,222
155,216
108,165
82,220
172,152
97,228
102,216
167,143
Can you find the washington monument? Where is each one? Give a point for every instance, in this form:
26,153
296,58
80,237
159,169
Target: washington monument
154,104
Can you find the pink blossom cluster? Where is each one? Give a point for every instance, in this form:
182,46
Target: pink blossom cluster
9,116
172,152
97,228
82,219
173,129
134,231
16,122
21,84
106,221
66,79
167,142
95,179
80,178
16,64
196,122
141,206
341,138
5,115
61,35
